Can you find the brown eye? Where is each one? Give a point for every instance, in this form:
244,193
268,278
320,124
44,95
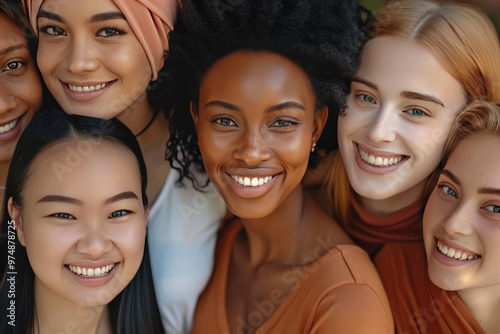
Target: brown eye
119,213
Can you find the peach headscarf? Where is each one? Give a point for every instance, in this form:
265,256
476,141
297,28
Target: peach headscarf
151,21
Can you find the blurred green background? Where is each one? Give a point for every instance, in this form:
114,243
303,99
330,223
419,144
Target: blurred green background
490,7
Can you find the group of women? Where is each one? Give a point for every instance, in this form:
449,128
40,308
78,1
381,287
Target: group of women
248,166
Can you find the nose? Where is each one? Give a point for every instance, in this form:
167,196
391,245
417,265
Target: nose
460,220
252,148
382,126
94,241
82,56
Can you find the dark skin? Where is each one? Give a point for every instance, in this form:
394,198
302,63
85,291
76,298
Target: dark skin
240,137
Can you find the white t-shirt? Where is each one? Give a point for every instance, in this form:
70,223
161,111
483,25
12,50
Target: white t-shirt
182,228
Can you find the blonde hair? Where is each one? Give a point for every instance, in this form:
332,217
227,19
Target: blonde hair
479,116
463,40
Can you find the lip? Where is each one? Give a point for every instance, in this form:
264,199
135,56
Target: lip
448,261
15,131
376,169
86,96
248,191
93,281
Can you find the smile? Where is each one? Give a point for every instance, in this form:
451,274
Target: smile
251,182
85,89
379,161
9,126
91,272
456,254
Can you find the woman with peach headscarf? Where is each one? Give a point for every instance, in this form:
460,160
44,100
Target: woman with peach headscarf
104,59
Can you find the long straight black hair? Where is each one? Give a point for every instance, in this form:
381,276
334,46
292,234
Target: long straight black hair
135,309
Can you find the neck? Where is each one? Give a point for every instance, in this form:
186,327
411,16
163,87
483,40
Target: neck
58,315
484,304
285,224
387,206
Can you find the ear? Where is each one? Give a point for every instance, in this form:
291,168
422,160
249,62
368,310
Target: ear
320,119
194,113
15,214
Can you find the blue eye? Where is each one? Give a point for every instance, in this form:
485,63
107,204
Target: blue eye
119,213
448,191
367,98
416,112
493,208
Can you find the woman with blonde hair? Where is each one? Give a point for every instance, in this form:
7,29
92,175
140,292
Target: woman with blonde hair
421,65
460,293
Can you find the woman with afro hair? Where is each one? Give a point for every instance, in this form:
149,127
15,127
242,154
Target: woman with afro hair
251,84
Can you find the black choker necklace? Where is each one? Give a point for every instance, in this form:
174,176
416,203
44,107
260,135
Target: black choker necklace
149,124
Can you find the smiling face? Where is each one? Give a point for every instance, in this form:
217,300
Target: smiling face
462,217
400,110
90,58
84,229
256,123
20,87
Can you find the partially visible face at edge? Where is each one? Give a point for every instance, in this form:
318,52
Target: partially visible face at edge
90,58
256,124
83,225
20,87
462,218
400,110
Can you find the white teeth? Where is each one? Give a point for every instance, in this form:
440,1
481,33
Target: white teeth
251,182
378,161
454,253
7,127
80,89
91,272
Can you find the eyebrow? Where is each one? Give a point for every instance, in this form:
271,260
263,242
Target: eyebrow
60,199
489,191
122,196
423,97
451,176
405,94
281,106
365,82
13,48
93,19
71,200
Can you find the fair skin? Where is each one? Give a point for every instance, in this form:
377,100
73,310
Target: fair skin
462,219
84,233
94,65
400,109
255,151
20,92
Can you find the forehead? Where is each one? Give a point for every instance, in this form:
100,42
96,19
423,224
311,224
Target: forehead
396,64
71,162
11,34
248,74
475,158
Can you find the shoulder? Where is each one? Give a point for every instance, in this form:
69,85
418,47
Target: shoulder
355,295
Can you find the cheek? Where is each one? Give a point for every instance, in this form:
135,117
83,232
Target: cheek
432,215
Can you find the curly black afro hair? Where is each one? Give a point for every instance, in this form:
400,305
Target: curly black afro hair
323,37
